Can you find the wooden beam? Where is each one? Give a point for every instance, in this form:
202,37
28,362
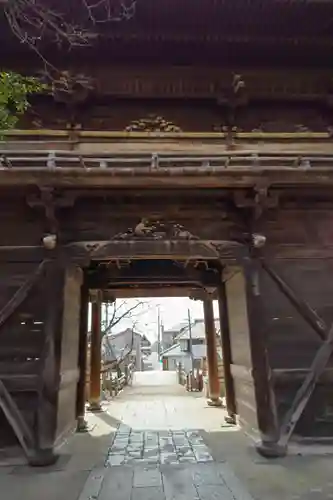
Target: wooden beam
227,355
154,249
213,373
165,136
21,294
82,361
288,376
47,406
16,421
143,178
264,392
141,292
95,354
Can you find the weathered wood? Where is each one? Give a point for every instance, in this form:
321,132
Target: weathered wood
82,361
21,382
305,391
300,305
46,414
21,294
211,345
16,421
95,355
143,178
265,398
227,355
297,375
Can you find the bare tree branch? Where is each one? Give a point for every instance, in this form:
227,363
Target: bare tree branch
121,312
33,22
127,313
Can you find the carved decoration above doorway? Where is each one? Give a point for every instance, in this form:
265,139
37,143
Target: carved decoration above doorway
156,230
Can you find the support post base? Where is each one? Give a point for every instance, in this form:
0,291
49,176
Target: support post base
95,406
271,449
81,425
42,458
230,419
214,402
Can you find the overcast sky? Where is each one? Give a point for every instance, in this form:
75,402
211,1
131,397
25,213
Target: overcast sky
172,311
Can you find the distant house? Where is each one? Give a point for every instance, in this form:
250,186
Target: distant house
168,336
181,351
129,344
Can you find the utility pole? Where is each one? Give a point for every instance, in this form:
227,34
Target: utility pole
106,314
190,337
158,333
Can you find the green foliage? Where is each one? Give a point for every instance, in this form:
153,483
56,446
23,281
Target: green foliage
14,92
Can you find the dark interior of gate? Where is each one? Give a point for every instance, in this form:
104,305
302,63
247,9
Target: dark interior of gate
275,302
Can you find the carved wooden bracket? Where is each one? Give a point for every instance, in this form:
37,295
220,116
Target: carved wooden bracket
260,200
50,201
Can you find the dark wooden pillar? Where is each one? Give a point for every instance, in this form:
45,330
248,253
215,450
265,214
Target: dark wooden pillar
213,374
95,354
264,392
55,417
47,405
227,356
82,361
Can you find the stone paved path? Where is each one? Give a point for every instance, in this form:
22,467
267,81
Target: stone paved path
158,452
205,481
133,447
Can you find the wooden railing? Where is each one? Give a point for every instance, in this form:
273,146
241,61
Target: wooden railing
126,163
114,382
111,380
192,381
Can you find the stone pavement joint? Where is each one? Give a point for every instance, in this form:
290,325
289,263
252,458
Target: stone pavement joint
161,465
201,481
132,447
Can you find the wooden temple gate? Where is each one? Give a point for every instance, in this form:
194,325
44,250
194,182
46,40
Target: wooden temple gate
271,278
152,150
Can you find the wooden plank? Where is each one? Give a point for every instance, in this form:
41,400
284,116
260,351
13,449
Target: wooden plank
304,309
295,375
21,382
21,294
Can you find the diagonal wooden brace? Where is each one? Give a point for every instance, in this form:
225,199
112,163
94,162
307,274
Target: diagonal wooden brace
16,420
305,391
318,366
307,313
21,294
